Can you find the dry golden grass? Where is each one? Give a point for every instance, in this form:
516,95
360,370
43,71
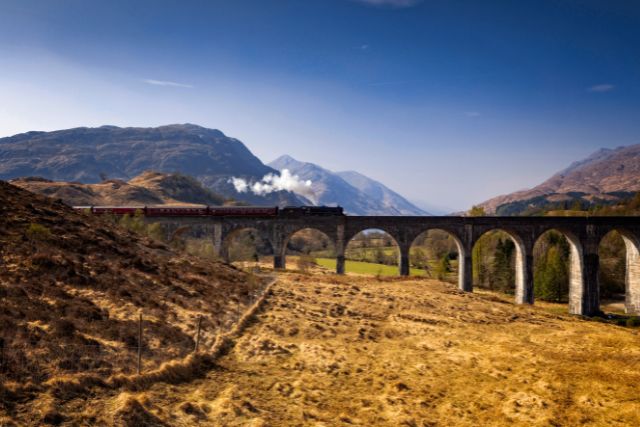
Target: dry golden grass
330,350
71,290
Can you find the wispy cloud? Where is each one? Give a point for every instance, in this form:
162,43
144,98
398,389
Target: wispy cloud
601,88
364,47
167,83
472,114
391,3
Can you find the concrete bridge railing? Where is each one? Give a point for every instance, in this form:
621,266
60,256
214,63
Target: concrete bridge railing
583,233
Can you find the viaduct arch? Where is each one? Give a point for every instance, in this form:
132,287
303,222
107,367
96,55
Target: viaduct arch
583,233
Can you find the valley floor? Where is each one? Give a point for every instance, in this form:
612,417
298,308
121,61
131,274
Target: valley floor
330,351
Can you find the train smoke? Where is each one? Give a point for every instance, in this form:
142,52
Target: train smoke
272,182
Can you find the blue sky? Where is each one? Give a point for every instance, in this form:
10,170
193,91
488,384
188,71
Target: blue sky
448,102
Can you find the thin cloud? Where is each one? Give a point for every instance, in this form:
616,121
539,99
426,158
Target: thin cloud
167,83
605,87
391,3
472,114
364,47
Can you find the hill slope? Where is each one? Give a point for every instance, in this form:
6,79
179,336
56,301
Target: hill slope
72,287
88,155
358,194
356,351
606,176
149,188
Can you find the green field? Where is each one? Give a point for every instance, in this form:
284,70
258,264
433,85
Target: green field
366,267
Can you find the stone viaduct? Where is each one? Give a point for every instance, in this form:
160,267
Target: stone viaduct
583,233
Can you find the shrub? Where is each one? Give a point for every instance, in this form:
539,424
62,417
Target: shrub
305,262
633,322
37,232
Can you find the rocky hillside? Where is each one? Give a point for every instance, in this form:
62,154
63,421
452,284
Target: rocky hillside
72,287
148,188
607,176
91,155
358,194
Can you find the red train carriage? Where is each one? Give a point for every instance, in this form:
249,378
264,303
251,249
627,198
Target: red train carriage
116,210
204,211
243,211
176,211
191,211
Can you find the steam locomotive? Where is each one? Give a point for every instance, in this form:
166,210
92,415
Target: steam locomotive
217,211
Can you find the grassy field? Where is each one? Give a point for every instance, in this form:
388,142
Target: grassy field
366,255
355,350
373,269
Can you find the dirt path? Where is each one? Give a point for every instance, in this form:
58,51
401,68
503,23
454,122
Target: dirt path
331,351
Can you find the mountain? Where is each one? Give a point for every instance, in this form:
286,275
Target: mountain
382,194
356,193
607,176
149,188
91,155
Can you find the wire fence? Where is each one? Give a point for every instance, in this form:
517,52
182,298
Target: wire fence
39,362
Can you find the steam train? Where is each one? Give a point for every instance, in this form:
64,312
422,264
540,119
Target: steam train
217,211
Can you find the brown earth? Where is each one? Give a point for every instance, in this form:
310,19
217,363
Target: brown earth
149,188
72,287
343,351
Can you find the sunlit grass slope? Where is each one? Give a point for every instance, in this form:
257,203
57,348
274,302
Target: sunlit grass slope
355,350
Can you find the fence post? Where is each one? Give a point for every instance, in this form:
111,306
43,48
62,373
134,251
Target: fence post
139,343
195,350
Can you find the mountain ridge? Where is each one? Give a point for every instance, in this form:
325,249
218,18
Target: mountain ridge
356,193
91,154
605,176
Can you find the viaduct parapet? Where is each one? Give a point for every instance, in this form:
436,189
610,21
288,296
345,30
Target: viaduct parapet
583,233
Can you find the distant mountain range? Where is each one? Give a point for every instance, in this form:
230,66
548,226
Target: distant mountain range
91,155
607,176
358,194
149,188
104,165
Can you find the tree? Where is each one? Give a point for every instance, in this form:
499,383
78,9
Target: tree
443,267
243,246
612,270
576,205
476,211
551,273
479,267
502,267
418,258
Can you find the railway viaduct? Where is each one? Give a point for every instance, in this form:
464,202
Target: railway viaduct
583,233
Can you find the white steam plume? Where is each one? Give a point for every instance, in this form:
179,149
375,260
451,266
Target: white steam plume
272,182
